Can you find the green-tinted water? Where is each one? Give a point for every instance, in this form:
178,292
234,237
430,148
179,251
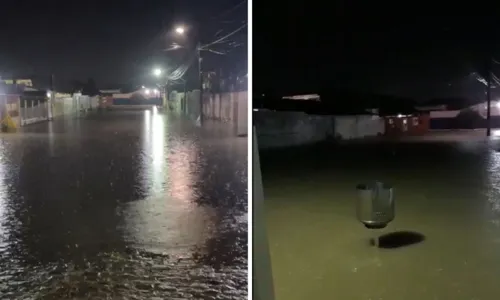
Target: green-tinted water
447,192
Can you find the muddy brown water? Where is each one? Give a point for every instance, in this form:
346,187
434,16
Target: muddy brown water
123,205
443,244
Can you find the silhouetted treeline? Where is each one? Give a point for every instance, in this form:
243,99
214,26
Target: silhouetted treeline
338,103
348,102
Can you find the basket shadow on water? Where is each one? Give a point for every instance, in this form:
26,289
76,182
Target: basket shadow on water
398,239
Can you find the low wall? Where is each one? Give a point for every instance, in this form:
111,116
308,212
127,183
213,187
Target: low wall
192,105
356,127
63,106
285,129
231,108
276,129
242,115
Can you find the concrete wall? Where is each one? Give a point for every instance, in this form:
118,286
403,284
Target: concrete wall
285,129
175,101
193,104
231,108
355,127
242,114
64,105
188,105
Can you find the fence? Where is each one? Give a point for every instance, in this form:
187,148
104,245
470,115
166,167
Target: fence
25,110
34,110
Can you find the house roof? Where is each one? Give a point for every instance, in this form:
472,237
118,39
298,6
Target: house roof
10,89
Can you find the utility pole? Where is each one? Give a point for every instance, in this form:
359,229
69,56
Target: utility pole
52,82
52,97
488,96
200,78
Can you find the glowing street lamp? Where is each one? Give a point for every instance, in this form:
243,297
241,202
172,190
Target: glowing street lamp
157,72
146,91
180,30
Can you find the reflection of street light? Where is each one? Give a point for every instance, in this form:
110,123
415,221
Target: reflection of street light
49,94
157,72
180,30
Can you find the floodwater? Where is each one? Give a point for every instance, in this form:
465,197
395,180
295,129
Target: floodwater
443,244
123,205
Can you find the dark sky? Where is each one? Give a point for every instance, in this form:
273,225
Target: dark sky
111,41
409,50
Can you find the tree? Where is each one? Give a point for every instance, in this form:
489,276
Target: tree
90,88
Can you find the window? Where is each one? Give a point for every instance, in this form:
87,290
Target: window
391,121
415,121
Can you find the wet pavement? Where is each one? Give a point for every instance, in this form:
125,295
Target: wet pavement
443,244
123,205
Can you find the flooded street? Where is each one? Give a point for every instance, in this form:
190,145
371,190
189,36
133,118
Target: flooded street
123,205
443,244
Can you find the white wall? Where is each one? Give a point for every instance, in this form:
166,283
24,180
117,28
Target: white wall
231,108
193,105
242,114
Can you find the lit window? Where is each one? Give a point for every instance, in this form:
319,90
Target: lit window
391,121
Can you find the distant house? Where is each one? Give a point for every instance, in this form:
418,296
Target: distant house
459,113
311,97
110,91
25,82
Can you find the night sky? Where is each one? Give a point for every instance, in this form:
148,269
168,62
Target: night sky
419,52
114,42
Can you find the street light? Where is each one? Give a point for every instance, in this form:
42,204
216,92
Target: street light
157,72
180,30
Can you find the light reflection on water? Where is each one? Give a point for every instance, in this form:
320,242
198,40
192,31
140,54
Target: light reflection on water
169,217
115,204
3,198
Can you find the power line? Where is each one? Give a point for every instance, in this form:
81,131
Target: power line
182,69
227,11
224,37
